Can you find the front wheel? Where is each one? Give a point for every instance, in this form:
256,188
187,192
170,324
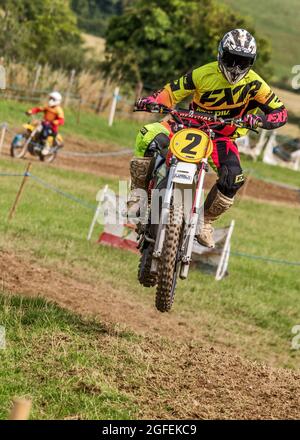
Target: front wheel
167,272
19,146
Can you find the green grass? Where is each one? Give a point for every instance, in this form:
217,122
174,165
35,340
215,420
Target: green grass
278,21
62,362
90,125
253,310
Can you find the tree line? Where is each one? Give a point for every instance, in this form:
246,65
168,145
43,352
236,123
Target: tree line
152,42
41,31
146,42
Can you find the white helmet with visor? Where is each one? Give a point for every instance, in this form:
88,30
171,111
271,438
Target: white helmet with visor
55,99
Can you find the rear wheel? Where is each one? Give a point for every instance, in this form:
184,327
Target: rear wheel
48,157
167,272
145,277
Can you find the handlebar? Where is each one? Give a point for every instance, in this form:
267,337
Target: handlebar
182,114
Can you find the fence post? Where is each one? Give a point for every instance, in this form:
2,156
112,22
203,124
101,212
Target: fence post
71,81
2,75
3,133
19,193
113,106
78,111
102,95
20,410
36,79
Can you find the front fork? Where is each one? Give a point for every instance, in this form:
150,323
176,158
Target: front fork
164,218
191,227
29,139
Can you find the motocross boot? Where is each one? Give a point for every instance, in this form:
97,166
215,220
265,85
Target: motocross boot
46,150
215,205
140,168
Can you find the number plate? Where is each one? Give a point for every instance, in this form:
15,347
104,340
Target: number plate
185,173
191,145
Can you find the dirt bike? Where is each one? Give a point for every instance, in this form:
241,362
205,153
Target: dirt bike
166,246
31,140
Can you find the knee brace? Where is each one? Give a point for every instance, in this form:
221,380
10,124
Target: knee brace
160,142
155,132
231,179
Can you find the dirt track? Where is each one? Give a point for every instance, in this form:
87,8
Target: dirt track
194,379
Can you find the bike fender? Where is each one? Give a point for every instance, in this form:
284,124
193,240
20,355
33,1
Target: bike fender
17,139
28,127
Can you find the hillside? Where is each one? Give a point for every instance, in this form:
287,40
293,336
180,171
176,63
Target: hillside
280,22
95,46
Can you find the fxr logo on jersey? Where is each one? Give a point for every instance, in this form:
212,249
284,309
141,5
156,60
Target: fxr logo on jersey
230,95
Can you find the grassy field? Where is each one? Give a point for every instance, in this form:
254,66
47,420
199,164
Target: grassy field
280,23
252,311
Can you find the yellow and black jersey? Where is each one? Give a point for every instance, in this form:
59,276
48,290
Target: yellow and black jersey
213,93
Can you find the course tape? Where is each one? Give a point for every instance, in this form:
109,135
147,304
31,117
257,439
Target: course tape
93,207
62,193
54,189
13,175
268,259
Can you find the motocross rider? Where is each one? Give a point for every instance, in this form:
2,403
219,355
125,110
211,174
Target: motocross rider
227,88
53,118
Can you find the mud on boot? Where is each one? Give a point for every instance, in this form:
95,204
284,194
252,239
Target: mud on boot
206,236
215,205
139,171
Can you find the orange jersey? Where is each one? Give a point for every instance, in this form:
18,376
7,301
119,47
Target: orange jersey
55,115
